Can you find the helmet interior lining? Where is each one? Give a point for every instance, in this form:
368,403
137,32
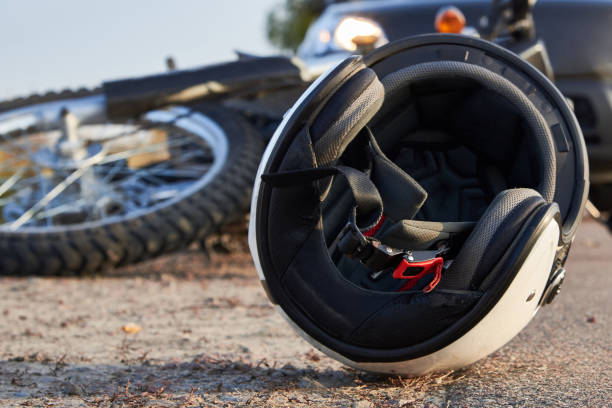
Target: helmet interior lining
462,142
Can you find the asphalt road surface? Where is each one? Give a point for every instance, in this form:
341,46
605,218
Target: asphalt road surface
186,330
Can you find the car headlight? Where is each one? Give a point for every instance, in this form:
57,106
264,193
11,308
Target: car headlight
349,34
358,33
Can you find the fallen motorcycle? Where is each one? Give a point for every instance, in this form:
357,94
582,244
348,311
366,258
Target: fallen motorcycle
136,168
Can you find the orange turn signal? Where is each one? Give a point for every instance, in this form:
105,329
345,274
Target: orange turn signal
450,20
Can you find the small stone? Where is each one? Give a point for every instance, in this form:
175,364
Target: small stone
591,319
72,389
313,356
131,328
36,357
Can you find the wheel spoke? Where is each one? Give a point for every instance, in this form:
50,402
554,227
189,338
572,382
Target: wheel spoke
57,190
46,183
11,181
53,211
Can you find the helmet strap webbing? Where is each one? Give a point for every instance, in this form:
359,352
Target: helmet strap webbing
382,182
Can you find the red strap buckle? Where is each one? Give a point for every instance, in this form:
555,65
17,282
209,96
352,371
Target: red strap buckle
431,266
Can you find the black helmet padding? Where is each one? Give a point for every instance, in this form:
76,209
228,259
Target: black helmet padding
397,85
490,238
342,308
370,318
420,235
403,196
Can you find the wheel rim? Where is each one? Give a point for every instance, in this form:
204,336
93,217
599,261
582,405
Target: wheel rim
62,166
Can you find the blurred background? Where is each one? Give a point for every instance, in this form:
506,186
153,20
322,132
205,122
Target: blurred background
71,43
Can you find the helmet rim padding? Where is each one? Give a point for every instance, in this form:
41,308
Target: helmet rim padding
490,238
358,99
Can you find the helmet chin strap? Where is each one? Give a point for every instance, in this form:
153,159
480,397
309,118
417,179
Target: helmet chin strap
422,269
402,197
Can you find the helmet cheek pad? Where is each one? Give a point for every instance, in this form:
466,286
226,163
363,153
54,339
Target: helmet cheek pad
430,157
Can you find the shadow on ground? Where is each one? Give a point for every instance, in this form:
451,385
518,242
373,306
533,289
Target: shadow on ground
215,381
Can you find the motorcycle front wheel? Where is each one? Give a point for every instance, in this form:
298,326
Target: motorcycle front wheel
79,194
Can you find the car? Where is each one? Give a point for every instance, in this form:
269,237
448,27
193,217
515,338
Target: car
576,34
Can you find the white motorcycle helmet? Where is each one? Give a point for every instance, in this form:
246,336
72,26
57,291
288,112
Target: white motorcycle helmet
415,207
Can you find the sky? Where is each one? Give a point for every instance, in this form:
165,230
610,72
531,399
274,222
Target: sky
54,44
